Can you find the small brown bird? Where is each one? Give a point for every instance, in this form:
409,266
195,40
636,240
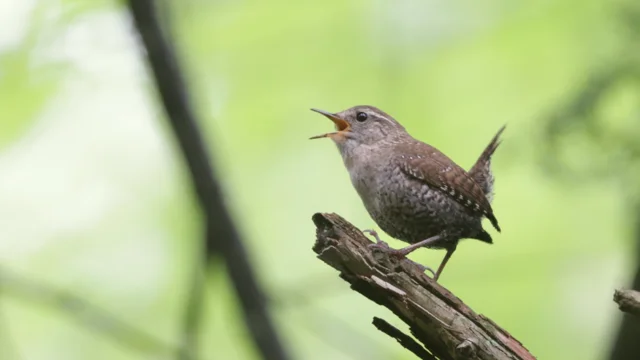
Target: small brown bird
412,191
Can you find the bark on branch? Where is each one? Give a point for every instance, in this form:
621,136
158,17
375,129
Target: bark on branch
628,301
447,327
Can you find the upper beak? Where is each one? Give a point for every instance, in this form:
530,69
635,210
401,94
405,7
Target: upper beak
341,125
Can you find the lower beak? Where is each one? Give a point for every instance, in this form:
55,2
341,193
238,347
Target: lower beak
341,125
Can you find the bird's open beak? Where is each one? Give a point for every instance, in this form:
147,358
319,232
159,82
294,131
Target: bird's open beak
341,125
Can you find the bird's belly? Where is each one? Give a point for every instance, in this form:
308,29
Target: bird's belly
415,213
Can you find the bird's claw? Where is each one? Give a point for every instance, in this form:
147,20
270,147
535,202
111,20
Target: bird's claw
381,246
399,254
374,234
379,243
424,268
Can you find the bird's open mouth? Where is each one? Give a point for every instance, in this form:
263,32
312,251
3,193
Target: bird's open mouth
341,125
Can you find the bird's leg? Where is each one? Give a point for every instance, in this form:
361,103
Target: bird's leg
409,249
450,251
383,246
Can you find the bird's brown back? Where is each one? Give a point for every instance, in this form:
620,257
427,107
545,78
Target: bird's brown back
425,163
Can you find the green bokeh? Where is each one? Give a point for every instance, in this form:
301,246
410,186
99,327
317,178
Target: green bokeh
451,72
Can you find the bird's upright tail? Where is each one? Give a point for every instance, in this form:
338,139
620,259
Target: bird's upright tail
481,171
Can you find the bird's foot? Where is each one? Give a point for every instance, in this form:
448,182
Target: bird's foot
424,268
382,246
374,234
396,253
379,243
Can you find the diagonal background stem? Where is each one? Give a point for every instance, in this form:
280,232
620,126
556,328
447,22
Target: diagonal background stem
221,236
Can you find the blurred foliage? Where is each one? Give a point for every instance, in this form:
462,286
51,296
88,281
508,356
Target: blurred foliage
593,135
93,198
26,84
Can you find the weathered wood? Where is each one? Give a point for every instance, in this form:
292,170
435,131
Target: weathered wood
447,327
628,301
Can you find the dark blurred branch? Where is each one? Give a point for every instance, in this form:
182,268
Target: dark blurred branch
221,234
447,327
628,301
406,341
85,313
194,312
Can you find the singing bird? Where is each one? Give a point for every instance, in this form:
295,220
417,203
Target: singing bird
413,191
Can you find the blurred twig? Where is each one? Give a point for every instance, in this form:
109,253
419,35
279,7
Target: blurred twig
330,327
437,318
91,316
221,235
405,340
194,312
628,301
340,334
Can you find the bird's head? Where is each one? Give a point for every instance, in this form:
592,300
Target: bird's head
361,124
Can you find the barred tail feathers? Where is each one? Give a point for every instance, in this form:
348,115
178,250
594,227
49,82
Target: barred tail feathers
481,170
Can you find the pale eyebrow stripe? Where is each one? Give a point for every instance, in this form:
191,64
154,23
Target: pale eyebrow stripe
384,117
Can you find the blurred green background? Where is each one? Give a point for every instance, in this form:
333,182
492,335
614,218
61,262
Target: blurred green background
95,199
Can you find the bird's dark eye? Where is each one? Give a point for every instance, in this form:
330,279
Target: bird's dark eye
361,116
